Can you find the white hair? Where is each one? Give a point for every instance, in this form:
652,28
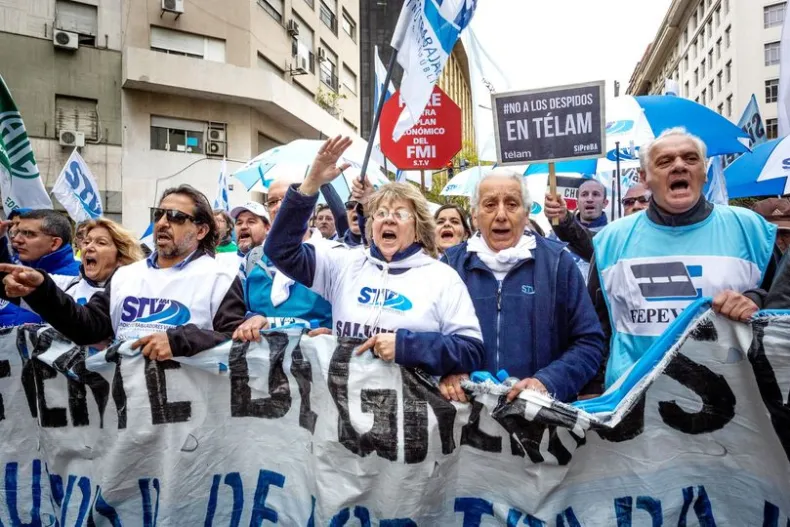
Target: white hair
504,173
644,152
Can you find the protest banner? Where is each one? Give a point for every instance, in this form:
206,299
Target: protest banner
302,431
77,191
550,124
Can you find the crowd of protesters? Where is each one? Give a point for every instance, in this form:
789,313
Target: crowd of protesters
451,292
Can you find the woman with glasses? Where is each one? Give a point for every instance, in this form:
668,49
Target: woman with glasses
411,308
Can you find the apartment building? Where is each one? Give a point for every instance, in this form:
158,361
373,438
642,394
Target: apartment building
719,52
164,90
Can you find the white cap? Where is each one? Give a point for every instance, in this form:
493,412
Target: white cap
251,206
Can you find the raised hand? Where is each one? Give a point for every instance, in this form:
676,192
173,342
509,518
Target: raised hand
324,168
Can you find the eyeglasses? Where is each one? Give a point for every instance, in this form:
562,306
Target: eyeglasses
272,203
630,202
175,217
400,215
24,233
351,205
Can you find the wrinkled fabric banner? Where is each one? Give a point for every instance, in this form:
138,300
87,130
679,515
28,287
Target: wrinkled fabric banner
301,431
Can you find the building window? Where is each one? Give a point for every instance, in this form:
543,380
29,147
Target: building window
717,17
686,89
771,90
710,90
704,99
328,17
694,22
718,49
311,3
78,18
686,63
721,109
349,79
728,72
685,36
729,106
303,45
710,29
696,100
718,81
726,6
772,128
701,42
78,114
710,58
187,44
774,15
274,8
328,69
696,77
349,26
702,69
772,53
694,49
727,39
177,135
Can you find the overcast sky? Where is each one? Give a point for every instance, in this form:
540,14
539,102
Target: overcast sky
551,42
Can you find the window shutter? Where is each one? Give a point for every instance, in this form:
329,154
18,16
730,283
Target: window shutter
78,18
179,41
72,113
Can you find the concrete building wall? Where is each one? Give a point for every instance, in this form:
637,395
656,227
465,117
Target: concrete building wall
678,53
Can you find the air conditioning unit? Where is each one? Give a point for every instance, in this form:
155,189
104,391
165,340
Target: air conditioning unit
65,39
293,28
173,6
71,138
216,134
216,148
302,64
321,54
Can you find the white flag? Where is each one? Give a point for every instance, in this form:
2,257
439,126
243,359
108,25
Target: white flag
20,182
77,191
486,78
784,78
221,201
426,33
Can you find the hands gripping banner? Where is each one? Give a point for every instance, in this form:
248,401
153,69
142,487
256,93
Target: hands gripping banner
301,431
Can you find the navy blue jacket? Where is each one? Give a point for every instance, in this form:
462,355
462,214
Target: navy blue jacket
539,322
60,262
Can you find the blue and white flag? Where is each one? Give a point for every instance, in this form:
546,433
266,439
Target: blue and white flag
147,238
77,191
221,201
752,123
716,186
20,182
426,33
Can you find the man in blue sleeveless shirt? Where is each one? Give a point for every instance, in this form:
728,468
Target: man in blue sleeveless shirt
650,266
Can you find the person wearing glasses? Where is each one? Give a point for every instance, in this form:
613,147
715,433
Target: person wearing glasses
412,309
40,239
154,302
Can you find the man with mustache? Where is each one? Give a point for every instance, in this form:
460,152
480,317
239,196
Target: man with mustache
649,267
177,302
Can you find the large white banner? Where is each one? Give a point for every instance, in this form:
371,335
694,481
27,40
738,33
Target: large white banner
77,191
303,432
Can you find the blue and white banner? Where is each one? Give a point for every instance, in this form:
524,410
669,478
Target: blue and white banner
303,431
221,200
425,35
77,191
147,238
715,189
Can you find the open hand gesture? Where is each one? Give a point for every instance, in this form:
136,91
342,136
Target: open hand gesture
324,168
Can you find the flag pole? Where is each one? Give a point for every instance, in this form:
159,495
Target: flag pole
619,190
377,117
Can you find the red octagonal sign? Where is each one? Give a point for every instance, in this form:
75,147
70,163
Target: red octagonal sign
433,141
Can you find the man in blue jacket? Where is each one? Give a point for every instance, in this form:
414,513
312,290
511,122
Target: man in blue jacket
40,239
537,319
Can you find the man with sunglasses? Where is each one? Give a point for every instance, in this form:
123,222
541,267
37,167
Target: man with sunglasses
40,239
177,302
353,236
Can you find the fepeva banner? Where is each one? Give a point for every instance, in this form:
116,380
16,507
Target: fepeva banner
550,124
301,431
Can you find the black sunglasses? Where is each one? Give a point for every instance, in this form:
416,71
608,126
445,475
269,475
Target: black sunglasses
175,217
351,205
628,202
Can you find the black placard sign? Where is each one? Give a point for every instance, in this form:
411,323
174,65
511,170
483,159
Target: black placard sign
550,124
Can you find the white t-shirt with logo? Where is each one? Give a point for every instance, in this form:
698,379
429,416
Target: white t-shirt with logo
368,296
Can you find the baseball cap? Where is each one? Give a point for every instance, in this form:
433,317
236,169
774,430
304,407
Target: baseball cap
251,206
775,210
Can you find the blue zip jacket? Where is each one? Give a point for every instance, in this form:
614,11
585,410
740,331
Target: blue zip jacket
60,262
539,322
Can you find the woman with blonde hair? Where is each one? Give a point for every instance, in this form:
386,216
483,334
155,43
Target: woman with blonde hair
106,247
413,309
